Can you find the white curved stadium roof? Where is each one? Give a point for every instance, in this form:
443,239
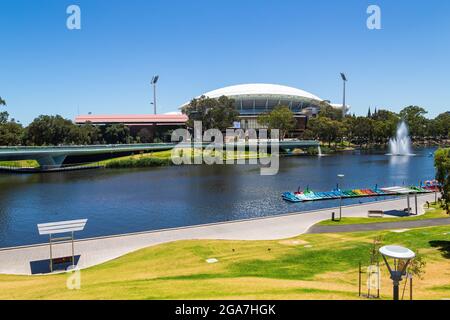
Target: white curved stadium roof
260,89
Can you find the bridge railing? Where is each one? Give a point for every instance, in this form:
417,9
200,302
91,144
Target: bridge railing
96,146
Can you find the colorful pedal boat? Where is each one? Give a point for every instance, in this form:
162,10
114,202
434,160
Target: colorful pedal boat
309,195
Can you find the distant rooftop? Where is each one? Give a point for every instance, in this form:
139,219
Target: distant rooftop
132,119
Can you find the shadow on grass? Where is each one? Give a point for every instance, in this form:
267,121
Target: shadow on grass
442,246
396,213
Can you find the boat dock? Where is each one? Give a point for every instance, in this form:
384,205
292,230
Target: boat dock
309,195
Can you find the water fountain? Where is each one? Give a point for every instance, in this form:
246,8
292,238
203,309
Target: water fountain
401,144
319,151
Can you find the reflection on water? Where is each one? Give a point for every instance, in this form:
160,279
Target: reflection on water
398,167
120,201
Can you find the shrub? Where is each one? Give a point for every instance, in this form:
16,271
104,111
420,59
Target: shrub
139,163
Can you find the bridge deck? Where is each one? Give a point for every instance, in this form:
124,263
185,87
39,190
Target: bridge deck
54,156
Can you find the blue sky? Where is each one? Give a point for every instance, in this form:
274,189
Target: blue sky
200,45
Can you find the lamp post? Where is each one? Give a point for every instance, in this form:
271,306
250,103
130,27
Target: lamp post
344,80
435,192
153,83
402,257
341,177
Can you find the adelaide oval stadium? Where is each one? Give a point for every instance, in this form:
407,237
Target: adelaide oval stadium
254,99
250,101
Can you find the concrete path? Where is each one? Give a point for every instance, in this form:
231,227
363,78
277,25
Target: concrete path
98,250
380,226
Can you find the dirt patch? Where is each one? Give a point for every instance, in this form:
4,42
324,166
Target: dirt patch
293,242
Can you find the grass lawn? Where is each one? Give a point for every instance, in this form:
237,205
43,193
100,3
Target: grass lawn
159,155
164,158
310,266
435,212
20,164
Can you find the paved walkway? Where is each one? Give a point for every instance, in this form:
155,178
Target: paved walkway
380,226
98,250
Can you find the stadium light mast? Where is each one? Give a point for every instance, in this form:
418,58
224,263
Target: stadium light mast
153,83
344,80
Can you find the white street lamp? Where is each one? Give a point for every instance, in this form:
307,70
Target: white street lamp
402,257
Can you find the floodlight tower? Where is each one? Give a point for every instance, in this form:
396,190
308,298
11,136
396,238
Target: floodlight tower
153,83
344,80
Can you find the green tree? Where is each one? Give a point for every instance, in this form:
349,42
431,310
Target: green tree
117,134
442,164
442,125
85,134
280,118
384,125
11,134
49,130
213,113
145,135
3,114
4,117
348,123
363,130
416,121
308,134
327,111
325,129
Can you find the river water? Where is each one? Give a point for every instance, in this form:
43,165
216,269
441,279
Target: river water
128,200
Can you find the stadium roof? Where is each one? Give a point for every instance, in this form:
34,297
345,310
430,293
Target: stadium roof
253,89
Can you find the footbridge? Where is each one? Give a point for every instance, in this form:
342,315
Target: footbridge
54,157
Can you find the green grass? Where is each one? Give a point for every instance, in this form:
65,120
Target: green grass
434,213
164,158
20,164
281,269
154,159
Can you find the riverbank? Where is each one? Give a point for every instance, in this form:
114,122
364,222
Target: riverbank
95,251
164,158
142,160
336,147
310,266
434,212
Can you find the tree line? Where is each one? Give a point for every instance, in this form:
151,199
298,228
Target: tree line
376,128
442,164
330,126
55,130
